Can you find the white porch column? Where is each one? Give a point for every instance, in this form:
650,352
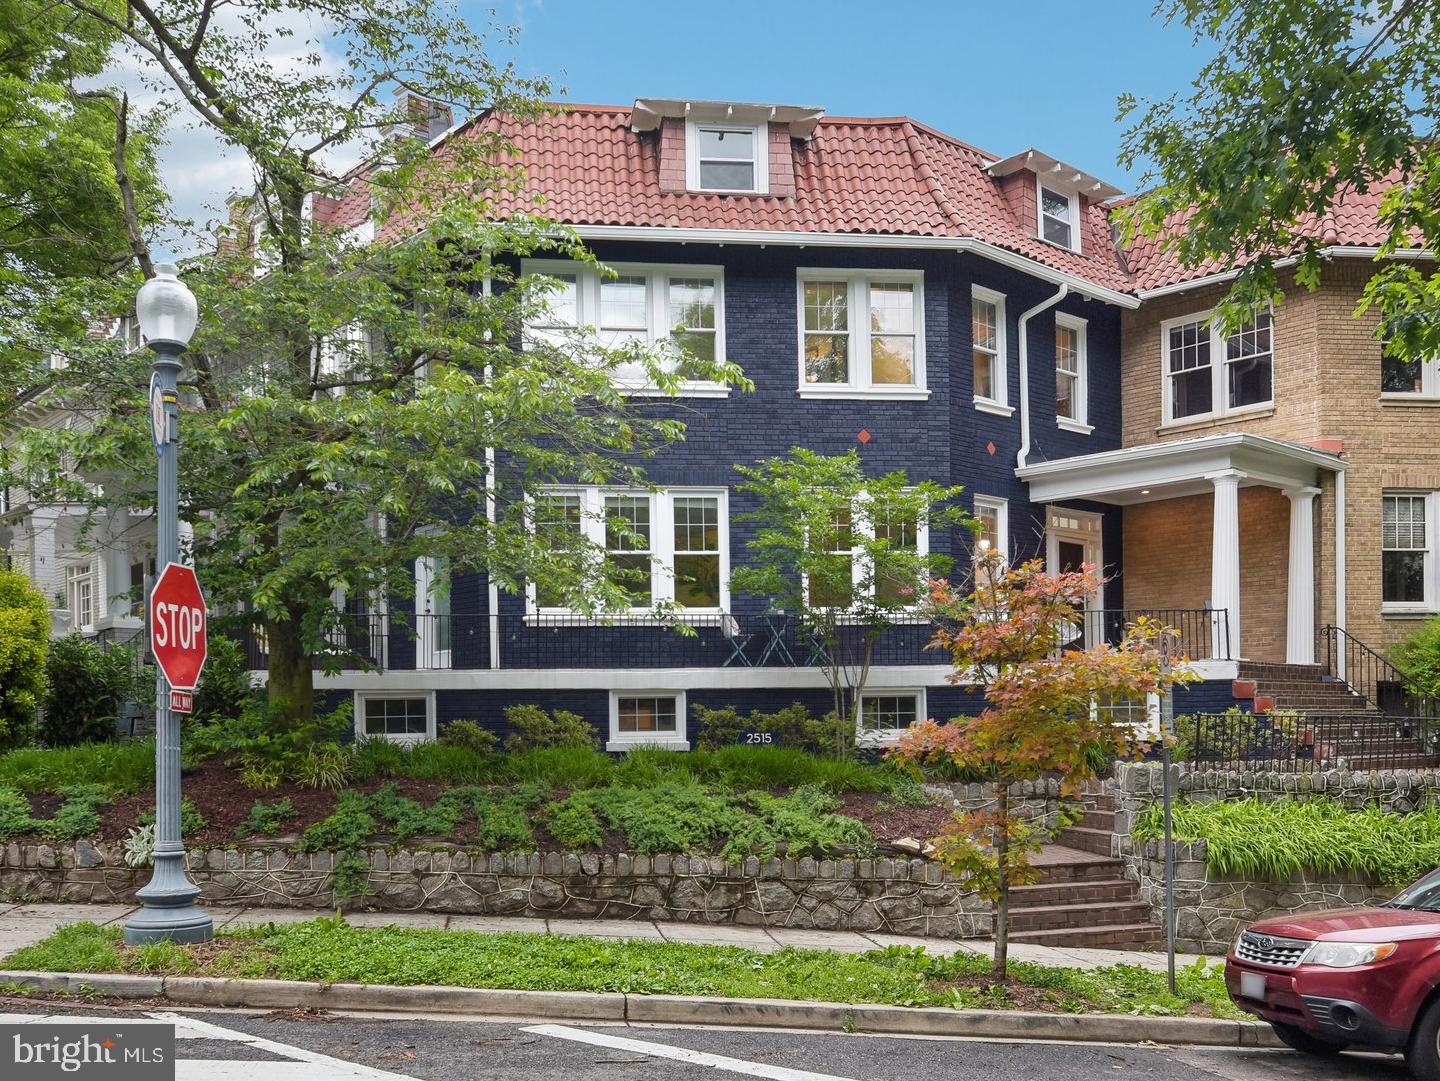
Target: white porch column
1300,590
1225,564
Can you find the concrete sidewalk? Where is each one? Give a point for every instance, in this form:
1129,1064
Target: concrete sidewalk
24,925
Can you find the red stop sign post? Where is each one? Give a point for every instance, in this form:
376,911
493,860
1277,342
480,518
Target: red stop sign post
177,626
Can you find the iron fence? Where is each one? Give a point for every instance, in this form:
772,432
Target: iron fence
1307,742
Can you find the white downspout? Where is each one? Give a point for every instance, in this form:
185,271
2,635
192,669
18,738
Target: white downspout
1023,454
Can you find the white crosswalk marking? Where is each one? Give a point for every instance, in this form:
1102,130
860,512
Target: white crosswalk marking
301,1065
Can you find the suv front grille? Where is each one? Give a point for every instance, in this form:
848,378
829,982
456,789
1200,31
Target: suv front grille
1271,950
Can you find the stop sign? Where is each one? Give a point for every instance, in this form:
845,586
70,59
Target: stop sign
177,626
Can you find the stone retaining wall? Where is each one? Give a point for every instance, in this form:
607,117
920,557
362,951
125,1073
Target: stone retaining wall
899,896
1212,909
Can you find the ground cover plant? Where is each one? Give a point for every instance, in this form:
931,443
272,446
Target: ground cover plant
328,950
1276,839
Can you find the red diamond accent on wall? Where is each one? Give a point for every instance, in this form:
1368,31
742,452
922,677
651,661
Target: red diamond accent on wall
991,448
863,435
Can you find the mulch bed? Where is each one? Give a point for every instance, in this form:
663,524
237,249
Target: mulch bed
215,790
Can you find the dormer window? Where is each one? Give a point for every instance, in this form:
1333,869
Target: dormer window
1060,217
726,157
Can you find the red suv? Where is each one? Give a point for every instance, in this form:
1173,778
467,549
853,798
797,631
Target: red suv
1366,978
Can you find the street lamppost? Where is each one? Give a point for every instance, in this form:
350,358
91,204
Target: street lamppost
167,313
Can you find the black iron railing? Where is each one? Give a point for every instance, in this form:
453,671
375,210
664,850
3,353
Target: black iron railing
1196,634
353,641
1369,675
1289,742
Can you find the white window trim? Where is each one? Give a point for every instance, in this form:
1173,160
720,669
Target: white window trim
863,525
91,571
1080,421
1429,384
1219,387
427,655
1431,603
996,403
662,545
679,741
760,136
858,300
1074,199
587,310
361,697
1001,507
867,738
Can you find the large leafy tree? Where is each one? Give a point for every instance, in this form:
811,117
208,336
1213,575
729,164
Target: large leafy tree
360,397
838,551
1304,102
1014,633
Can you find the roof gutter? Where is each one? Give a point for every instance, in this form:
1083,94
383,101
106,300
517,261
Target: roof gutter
764,237
1022,328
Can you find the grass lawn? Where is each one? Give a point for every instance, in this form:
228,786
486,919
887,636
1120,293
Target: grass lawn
328,950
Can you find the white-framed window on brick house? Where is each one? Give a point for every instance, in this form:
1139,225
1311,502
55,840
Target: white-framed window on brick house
885,714
727,157
993,514
679,305
1402,379
647,718
861,333
80,595
848,572
1408,562
399,716
1072,374
665,547
1208,374
1059,215
987,343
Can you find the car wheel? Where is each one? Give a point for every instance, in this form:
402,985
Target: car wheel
1423,1053
1297,1039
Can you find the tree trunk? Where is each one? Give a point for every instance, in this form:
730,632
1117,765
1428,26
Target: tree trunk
291,677
1002,904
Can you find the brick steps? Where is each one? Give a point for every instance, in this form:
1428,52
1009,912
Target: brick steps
1123,936
1087,839
1078,893
1082,897
1086,913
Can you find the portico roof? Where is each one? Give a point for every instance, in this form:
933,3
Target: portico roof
1178,467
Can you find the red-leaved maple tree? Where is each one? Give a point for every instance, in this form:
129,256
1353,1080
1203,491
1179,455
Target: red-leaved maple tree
1021,634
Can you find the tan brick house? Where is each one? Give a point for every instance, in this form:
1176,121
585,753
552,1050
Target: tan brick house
1282,475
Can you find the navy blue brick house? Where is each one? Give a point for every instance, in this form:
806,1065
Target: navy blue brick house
1005,271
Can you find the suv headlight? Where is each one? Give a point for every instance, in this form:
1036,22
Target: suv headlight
1349,954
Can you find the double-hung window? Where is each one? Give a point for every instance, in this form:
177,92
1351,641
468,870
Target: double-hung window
987,344
662,548
727,158
861,334
1059,217
1408,551
678,309
80,595
1210,374
845,573
993,515
1401,378
1071,373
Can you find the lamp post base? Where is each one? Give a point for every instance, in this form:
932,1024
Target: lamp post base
169,911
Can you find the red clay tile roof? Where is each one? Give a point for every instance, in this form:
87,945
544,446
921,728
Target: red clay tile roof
1354,221
876,176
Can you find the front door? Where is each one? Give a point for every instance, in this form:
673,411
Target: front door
1073,539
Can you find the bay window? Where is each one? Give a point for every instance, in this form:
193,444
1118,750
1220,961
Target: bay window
679,308
861,334
662,548
1210,374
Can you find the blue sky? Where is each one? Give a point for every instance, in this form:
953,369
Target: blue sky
1003,75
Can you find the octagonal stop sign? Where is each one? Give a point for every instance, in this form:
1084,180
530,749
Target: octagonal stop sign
177,626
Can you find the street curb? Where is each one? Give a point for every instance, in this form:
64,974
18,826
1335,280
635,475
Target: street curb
657,1009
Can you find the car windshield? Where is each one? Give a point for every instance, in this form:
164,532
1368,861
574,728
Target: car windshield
1424,895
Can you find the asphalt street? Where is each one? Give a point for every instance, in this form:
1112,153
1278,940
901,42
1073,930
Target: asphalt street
218,1045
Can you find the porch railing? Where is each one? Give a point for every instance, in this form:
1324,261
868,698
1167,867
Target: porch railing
1307,742
1369,675
516,640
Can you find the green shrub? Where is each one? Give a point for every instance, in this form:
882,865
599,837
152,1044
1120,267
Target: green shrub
574,825
1277,839
1418,658
192,822
88,687
267,818
124,768
470,735
449,764
532,728
225,690
375,758
14,814
326,766
803,821
573,767
793,728
264,733
79,813
24,644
